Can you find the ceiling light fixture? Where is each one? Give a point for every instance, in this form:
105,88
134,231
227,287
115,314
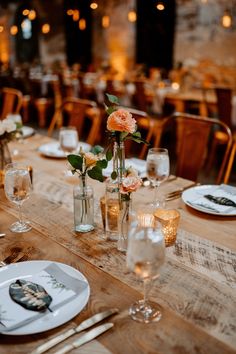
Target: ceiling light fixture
93,5
226,19
132,16
160,6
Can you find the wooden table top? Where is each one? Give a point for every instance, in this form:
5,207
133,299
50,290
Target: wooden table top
196,287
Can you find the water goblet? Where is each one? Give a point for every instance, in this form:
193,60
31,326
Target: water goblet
158,169
145,255
68,139
17,188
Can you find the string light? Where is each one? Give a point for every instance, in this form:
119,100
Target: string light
82,24
132,16
93,5
1,29
25,12
46,28
32,15
76,15
160,6
226,20
105,21
13,30
70,12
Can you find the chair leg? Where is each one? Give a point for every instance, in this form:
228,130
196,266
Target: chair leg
230,163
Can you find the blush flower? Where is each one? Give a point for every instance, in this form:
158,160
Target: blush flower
130,184
122,121
90,159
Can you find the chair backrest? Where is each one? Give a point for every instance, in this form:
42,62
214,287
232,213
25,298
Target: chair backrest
228,169
73,112
145,126
139,97
193,135
11,101
224,104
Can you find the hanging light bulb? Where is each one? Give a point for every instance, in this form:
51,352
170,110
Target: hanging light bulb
160,6
94,5
132,16
70,12
13,30
105,21
226,19
82,24
25,12
46,28
1,29
32,15
76,15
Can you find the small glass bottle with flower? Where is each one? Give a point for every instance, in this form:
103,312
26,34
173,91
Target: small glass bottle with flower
86,164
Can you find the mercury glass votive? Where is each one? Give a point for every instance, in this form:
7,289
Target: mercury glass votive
169,219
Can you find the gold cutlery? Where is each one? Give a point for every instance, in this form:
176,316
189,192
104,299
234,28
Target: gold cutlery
85,338
177,193
82,326
12,259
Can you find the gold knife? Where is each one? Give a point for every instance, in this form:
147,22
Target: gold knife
85,338
83,325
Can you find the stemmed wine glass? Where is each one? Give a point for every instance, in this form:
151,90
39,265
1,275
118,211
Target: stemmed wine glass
158,169
145,255
68,139
18,187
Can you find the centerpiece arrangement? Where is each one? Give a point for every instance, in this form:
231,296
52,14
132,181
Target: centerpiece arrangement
121,127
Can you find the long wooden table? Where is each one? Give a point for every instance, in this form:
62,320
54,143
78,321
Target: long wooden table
196,287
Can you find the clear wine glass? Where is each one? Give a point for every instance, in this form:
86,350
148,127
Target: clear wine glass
18,187
145,255
68,139
158,169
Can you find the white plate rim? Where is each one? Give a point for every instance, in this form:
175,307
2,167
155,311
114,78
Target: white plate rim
190,194
52,149
64,314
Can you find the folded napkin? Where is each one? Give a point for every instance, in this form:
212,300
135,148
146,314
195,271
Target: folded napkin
222,191
58,284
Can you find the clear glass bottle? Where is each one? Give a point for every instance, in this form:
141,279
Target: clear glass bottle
83,206
112,194
5,158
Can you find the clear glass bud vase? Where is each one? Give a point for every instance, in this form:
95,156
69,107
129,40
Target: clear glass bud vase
83,206
5,158
124,221
112,194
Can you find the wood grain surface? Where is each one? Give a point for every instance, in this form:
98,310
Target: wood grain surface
196,287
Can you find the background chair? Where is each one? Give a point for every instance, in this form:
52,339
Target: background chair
193,136
81,113
11,101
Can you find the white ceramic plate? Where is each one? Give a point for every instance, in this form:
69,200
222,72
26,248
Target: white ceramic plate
53,149
27,131
191,196
63,314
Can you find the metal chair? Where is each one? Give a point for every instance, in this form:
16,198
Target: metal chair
76,112
193,134
11,101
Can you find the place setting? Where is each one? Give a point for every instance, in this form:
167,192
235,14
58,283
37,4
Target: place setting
68,143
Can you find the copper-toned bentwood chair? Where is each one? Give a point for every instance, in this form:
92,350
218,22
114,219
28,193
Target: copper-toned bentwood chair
230,163
11,101
193,134
78,111
145,126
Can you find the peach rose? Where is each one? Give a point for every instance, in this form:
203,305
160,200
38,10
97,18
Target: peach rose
122,121
130,184
90,159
